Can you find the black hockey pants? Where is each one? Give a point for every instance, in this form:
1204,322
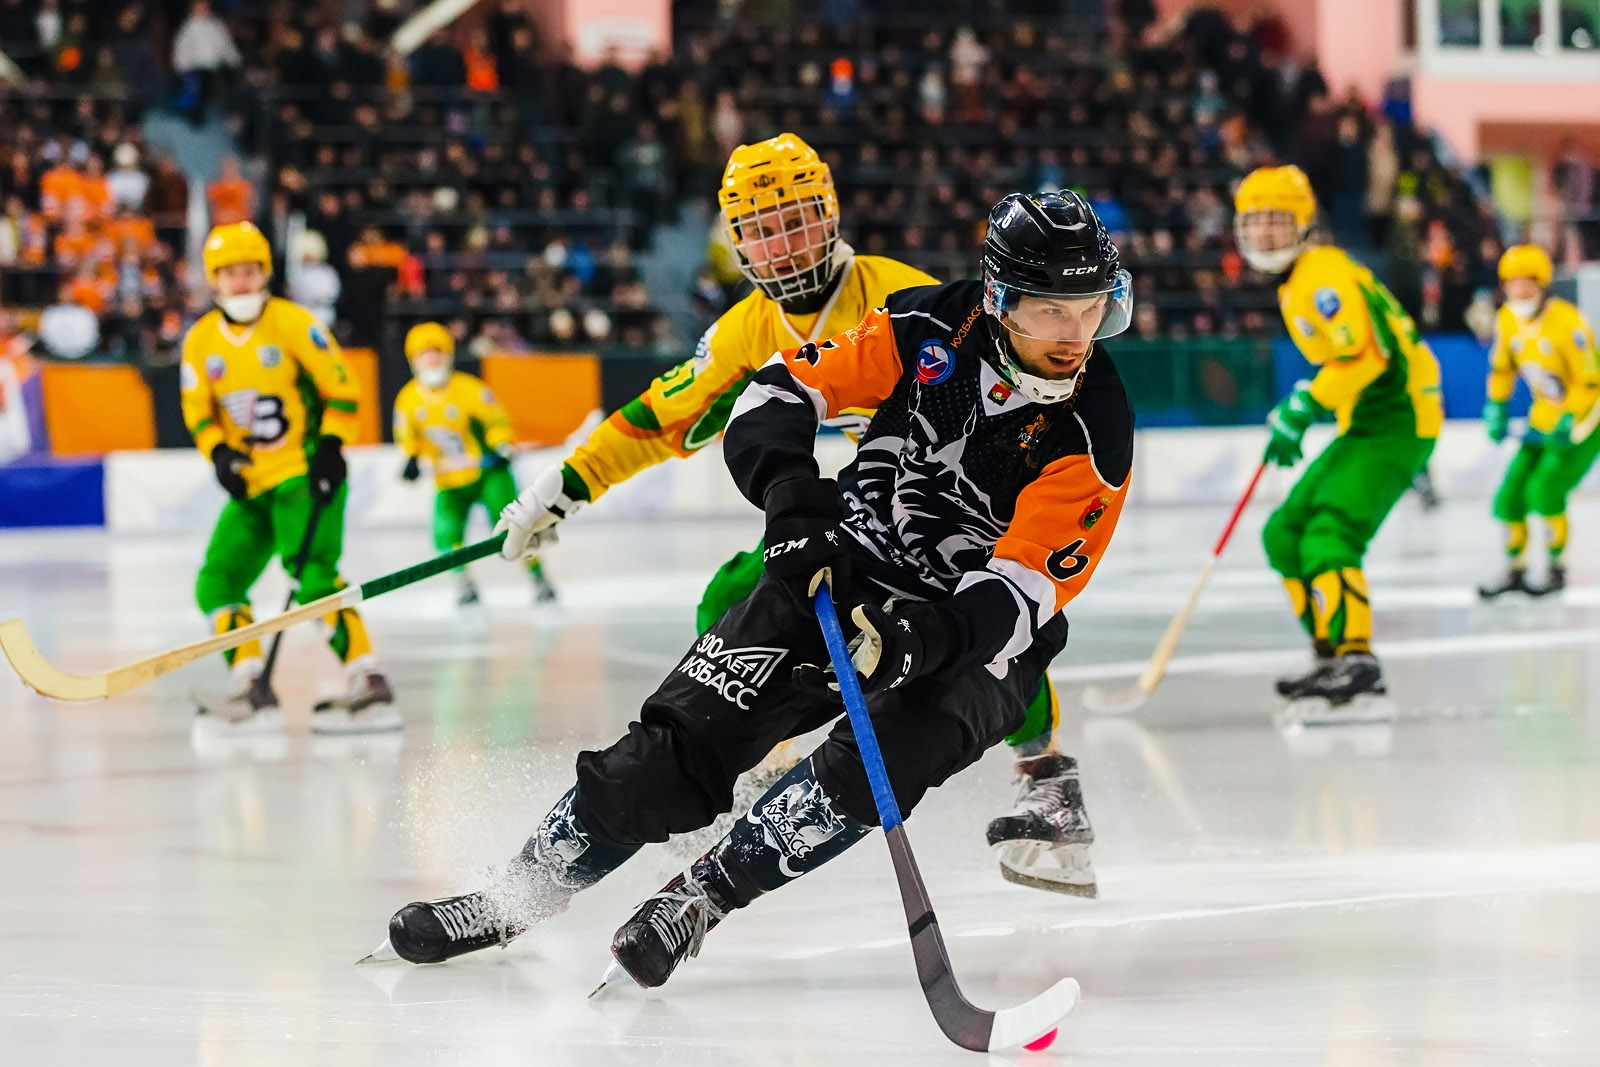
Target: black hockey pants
732,698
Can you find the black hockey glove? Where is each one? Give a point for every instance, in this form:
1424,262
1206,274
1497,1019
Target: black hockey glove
497,458
803,536
895,648
327,469
230,464
413,469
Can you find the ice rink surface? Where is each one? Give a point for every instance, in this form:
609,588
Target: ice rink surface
1422,893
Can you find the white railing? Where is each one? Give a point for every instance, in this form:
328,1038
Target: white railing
1549,58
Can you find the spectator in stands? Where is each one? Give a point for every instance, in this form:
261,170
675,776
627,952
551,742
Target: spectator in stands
204,55
315,286
232,196
134,49
127,185
435,65
168,203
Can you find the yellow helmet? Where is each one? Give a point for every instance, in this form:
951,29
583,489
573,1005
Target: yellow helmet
1526,261
782,213
426,335
1273,191
237,242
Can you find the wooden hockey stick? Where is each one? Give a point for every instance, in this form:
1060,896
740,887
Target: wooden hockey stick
1102,702
44,678
968,1026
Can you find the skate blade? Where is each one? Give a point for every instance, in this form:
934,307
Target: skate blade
384,953
1054,868
613,975
1369,708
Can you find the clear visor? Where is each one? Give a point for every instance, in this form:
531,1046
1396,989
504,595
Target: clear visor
1055,317
1268,240
786,250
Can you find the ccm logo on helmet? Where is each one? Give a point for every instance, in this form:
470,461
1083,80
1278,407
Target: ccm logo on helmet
1069,272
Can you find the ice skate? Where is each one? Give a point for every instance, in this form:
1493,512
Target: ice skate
1427,494
1348,690
1044,842
250,710
1555,580
543,591
667,929
467,594
437,930
367,708
1290,685
1515,580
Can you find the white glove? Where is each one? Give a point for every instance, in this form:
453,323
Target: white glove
529,521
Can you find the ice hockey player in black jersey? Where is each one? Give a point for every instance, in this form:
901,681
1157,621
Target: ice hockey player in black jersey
982,498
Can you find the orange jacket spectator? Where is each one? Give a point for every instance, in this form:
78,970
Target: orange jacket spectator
76,243
85,291
482,74
58,187
136,228
35,241
375,250
230,201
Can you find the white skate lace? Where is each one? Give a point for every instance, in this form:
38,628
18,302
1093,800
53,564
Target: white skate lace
1042,797
690,920
466,918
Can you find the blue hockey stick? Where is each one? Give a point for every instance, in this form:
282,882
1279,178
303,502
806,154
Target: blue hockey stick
968,1026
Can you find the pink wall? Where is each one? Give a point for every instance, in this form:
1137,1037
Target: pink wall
636,28
1358,44
1456,106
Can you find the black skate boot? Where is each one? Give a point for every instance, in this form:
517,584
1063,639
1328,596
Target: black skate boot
1555,580
467,594
368,707
1290,685
543,591
560,859
1044,841
669,927
1515,580
1423,486
437,930
1348,690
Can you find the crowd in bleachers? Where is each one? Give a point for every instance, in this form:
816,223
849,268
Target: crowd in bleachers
511,194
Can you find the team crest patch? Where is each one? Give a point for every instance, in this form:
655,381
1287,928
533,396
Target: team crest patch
271,356
1545,347
1094,512
999,393
1516,345
319,338
1327,302
216,367
1580,339
451,412
1304,326
934,363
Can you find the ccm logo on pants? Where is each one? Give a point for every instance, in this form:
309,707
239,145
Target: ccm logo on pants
737,674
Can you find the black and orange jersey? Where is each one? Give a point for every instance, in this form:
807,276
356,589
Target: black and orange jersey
963,488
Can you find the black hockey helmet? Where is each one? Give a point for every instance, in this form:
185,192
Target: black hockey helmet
1052,245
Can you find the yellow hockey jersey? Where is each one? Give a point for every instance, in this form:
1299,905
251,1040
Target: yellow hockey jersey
452,428
1554,353
687,407
269,390
1377,374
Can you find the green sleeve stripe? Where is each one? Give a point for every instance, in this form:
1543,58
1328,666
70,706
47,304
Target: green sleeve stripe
204,424
573,484
638,414
347,406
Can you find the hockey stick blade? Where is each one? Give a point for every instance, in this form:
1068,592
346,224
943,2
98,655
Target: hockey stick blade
44,678
1101,701
958,1018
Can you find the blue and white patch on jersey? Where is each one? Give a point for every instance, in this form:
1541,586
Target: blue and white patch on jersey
486,396
271,356
1304,326
319,338
1327,302
1545,347
1580,339
935,362
216,367
702,350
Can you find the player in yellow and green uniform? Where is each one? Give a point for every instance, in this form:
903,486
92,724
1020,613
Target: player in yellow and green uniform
268,400
1550,345
782,215
452,420
1382,383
